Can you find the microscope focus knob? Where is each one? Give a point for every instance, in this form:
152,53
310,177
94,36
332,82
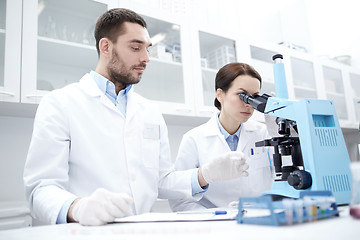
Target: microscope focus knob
300,179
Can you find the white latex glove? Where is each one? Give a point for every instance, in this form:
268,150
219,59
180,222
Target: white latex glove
225,167
102,207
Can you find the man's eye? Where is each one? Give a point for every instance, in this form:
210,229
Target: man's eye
135,48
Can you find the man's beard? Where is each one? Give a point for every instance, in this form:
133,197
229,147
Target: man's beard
118,73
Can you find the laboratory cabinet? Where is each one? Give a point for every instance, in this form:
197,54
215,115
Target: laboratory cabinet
304,75
10,50
58,44
167,79
52,45
335,78
212,50
355,89
309,77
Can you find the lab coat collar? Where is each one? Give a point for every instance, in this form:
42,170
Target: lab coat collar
212,127
246,132
89,86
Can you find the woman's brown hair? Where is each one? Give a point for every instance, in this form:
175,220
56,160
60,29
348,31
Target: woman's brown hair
226,75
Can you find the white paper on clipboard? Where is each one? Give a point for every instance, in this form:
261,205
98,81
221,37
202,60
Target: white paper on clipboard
179,217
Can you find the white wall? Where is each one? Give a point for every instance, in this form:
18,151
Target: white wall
15,135
334,28
323,27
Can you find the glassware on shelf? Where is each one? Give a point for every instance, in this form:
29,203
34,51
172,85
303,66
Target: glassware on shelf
159,51
85,38
176,52
221,56
50,28
64,33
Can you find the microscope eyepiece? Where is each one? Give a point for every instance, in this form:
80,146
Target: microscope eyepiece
257,102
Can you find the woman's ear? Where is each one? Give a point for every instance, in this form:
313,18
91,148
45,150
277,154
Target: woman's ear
219,94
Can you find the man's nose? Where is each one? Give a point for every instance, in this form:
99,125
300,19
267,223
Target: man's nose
145,57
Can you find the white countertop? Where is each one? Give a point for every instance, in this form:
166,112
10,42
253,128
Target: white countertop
343,227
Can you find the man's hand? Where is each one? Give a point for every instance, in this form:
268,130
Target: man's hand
100,208
225,167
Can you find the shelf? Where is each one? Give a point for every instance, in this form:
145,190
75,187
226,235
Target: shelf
261,54
216,50
66,53
165,85
304,88
210,70
304,93
62,62
335,94
154,59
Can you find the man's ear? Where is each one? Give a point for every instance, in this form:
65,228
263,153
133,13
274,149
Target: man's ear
105,47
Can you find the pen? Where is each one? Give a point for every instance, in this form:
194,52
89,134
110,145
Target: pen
201,212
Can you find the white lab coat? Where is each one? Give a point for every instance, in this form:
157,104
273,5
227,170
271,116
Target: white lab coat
82,142
201,144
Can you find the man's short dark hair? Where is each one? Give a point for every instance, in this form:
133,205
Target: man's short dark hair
110,24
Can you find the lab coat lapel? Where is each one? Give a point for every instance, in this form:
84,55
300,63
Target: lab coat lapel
213,130
90,87
246,135
132,106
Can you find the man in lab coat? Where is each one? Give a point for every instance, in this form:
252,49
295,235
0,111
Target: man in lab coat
99,151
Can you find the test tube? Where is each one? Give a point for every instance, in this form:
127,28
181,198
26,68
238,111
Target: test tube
299,210
308,207
324,206
288,206
314,209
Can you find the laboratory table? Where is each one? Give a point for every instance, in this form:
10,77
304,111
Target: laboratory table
342,227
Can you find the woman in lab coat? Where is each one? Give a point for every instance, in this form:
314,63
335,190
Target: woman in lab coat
229,130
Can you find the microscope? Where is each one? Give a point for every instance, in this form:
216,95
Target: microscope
316,158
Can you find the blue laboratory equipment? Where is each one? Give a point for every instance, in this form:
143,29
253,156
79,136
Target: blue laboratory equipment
279,75
287,211
319,156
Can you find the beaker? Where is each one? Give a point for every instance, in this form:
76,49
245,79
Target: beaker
355,190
